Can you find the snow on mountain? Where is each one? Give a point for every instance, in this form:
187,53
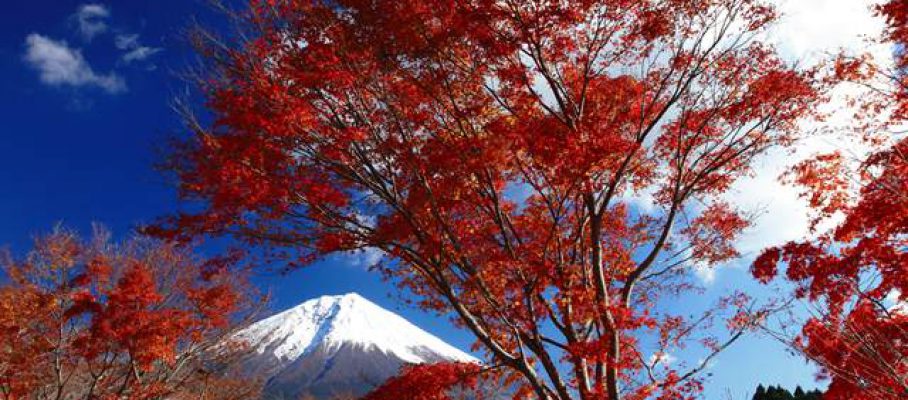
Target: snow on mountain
337,345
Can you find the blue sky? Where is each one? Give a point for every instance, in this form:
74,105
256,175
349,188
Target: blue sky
85,101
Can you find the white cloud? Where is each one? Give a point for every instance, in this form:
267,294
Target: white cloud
134,50
59,65
661,359
642,200
894,303
91,20
365,258
809,31
781,214
705,273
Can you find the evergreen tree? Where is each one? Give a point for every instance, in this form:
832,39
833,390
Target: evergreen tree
760,394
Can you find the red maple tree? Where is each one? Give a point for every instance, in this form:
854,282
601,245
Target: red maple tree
492,150
855,276
135,320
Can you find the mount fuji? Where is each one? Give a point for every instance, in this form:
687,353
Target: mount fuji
337,346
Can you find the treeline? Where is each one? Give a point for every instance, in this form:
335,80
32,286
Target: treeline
779,393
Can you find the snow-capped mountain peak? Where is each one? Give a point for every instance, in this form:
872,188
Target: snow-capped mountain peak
335,343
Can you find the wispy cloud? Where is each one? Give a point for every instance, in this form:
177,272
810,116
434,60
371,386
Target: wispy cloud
126,41
60,65
134,50
91,20
705,273
140,54
365,258
661,359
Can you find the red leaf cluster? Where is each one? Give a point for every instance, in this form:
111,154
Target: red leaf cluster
437,381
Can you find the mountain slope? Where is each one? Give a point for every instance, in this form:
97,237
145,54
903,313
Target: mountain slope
337,345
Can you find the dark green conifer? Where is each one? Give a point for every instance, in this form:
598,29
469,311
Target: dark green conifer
760,394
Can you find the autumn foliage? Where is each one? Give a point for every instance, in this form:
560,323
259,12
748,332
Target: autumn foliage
498,153
440,381
855,276
135,320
